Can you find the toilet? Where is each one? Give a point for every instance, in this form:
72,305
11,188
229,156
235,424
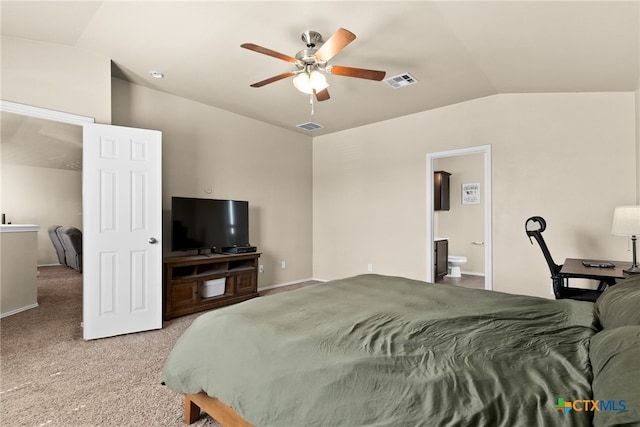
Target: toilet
454,265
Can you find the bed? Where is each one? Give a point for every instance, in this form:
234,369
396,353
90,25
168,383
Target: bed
375,350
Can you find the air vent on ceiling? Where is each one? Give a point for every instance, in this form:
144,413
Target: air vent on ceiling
310,126
401,80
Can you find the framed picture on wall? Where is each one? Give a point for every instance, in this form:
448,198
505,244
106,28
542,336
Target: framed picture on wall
471,194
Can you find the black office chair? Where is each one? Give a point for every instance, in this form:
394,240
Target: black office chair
534,227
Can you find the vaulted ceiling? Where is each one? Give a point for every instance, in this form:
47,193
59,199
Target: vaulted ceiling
456,50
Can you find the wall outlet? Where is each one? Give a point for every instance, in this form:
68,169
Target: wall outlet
369,268
261,268
284,264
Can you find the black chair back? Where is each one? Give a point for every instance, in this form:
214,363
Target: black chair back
534,227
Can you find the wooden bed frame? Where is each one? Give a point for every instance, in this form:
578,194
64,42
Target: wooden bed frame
222,413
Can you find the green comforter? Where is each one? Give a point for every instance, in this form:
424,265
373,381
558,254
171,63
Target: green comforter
386,351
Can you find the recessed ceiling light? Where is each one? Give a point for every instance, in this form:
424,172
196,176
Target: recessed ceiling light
156,74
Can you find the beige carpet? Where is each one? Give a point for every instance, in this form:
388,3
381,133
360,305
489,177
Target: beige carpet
50,376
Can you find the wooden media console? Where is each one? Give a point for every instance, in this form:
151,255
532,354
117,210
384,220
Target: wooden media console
188,279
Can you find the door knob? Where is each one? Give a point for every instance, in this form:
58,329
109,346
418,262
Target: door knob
153,240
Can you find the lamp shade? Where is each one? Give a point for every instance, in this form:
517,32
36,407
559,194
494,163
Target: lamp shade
626,221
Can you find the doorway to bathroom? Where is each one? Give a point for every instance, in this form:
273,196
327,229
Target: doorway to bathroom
466,225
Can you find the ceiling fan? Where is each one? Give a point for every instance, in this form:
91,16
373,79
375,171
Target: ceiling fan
314,59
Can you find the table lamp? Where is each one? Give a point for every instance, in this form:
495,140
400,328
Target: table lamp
626,222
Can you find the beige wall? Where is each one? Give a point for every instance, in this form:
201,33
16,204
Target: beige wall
43,196
463,224
567,157
638,141
56,77
238,158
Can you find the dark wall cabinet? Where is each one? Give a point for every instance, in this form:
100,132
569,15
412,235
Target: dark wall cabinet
441,191
441,259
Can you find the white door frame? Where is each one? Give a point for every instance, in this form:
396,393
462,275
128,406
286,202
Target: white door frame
488,261
43,113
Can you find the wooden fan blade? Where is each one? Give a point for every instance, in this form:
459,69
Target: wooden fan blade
265,51
360,73
335,44
273,79
323,95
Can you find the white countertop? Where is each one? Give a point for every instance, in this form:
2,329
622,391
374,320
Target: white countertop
18,228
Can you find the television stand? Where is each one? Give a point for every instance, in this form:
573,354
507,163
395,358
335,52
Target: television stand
186,278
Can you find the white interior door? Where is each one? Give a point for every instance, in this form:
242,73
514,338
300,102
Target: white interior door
122,226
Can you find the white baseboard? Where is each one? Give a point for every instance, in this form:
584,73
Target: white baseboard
18,310
471,273
264,288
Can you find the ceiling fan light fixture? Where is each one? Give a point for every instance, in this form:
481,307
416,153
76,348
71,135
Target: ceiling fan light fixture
318,81
309,82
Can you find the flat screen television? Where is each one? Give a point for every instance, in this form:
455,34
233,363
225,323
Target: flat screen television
198,224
